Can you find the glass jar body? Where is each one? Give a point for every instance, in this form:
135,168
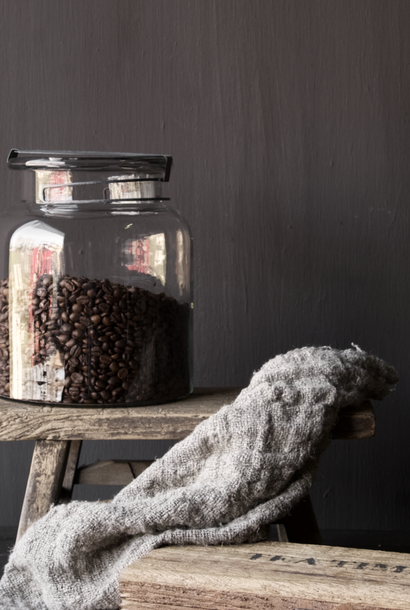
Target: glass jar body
96,304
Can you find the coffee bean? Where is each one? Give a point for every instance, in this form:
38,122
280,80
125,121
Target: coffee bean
104,307
105,395
122,373
106,287
113,380
78,334
106,359
85,321
77,308
96,319
75,351
77,378
63,338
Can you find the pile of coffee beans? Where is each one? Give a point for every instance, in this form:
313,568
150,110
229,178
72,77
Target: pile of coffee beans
118,343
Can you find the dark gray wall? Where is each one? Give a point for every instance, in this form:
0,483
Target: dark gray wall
289,125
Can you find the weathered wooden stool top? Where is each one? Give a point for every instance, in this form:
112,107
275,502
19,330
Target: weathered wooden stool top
267,576
60,431
174,420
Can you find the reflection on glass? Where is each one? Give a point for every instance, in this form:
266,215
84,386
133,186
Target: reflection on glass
131,187
148,256
54,186
180,263
36,264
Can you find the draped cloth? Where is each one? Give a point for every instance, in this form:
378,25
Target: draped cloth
241,469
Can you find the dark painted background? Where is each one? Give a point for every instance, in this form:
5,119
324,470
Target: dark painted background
289,126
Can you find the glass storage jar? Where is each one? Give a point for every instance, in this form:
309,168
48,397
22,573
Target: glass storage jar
96,290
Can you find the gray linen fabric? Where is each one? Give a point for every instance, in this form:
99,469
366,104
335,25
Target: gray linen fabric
241,469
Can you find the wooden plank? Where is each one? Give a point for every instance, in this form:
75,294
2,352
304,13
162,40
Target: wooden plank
355,422
282,534
44,481
70,471
271,575
175,420
111,472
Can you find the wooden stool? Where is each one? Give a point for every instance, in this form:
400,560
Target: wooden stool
267,576
60,431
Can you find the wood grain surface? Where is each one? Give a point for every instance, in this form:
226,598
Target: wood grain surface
267,576
44,482
173,420
111,472
70,471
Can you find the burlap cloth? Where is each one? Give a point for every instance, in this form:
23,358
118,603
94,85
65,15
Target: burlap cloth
241,469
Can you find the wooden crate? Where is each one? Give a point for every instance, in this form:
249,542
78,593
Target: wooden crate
270,575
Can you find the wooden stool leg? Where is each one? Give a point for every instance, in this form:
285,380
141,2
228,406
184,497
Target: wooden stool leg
44,481
70,471
282,533
301,525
